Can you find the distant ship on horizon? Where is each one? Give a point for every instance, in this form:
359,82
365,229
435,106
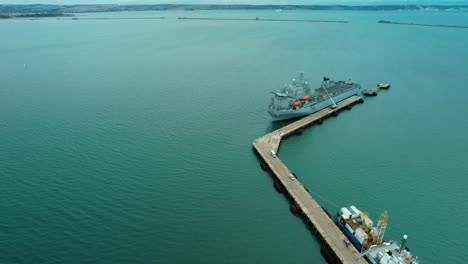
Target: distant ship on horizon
298,99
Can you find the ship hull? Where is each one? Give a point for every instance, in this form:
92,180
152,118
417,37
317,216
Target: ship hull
290,113
350,236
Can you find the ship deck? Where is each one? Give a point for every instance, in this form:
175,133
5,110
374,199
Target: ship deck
313,213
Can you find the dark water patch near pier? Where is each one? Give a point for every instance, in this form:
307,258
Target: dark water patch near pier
265,19
417,24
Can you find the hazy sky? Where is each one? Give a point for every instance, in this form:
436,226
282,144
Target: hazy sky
259,2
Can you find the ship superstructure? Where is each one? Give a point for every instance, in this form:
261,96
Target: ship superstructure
390,253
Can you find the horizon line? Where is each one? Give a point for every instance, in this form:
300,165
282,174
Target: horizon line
204,4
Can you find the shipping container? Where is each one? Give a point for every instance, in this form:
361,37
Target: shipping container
368,222
345,213
361,235
350,229
356,212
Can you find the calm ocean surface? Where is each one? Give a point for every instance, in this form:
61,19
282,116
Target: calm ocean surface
129,141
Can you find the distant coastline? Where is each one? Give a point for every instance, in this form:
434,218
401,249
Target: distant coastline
39,10
33,15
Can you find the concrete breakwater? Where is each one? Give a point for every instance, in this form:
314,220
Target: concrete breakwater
265,19
418,24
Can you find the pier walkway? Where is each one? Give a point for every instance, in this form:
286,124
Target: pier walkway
325,228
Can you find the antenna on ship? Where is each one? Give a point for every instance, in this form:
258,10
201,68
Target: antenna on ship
403,243
326,80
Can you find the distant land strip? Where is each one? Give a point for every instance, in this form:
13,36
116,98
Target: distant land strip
83,18
265,19
15,10
422,25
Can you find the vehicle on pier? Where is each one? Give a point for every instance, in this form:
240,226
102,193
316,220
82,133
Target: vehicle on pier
273,153
299,99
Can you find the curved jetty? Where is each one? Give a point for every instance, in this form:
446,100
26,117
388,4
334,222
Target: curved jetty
302,202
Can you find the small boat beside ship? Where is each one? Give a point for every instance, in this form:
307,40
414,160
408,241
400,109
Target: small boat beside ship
370,92
369,238
299,99
373,91
383,86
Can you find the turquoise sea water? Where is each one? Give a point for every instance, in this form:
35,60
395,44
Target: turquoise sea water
129,141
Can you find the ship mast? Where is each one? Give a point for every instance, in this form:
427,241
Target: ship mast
326,80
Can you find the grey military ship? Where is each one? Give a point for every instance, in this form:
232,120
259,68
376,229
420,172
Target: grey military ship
298,99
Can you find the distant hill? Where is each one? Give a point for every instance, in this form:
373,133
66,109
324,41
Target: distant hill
7,11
